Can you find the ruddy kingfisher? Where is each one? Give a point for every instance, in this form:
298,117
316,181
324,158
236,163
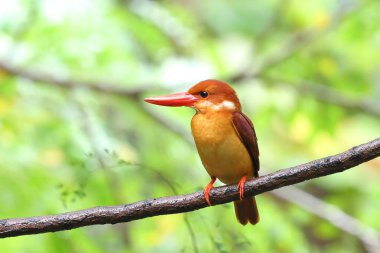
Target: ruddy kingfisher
225,139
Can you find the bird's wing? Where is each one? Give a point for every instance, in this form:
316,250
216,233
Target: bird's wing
244,128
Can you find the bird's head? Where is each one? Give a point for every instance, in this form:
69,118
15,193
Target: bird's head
205,96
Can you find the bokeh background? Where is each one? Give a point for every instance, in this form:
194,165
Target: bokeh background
75,133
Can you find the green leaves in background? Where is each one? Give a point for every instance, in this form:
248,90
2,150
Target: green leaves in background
307,73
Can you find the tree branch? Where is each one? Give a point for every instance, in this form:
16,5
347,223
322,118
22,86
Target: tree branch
329,95
190,202
56,80
323,94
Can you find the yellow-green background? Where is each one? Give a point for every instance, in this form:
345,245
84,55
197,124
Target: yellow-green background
307,74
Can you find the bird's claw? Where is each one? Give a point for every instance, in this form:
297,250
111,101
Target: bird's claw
207,197
241,185
208,189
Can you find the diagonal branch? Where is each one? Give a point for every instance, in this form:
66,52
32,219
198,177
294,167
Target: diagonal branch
297,41
63,82
190,202
367,235
328,95
323,94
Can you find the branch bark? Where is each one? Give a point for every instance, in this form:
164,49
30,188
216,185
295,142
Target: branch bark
190,202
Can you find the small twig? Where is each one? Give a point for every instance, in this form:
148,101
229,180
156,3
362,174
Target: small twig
190,202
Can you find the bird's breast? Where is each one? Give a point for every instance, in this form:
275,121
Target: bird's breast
220,148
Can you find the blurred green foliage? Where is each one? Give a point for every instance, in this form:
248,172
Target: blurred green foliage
307,74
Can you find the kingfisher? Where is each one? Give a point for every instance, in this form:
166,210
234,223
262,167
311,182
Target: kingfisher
225,139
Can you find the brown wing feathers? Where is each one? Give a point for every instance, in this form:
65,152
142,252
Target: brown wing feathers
246,132
246,209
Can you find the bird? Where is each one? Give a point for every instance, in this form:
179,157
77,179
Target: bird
224,137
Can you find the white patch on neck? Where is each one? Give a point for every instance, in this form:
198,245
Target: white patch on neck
229,105
217,107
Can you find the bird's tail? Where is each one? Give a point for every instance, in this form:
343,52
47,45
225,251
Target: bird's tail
246,210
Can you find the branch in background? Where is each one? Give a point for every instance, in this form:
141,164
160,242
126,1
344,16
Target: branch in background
329,95
272,24
176,32
367,235
190,202
66,83
332,96
94,136
319,92
113,89
295,43
173,127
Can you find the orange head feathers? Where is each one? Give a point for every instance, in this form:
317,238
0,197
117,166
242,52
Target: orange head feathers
205,96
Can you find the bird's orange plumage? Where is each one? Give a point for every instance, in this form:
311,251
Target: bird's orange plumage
224,136
221,150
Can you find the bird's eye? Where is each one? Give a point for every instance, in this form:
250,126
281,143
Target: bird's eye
203,94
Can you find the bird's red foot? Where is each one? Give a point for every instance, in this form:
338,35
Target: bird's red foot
241,186
208,189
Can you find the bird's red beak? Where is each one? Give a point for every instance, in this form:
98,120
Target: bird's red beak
176,99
